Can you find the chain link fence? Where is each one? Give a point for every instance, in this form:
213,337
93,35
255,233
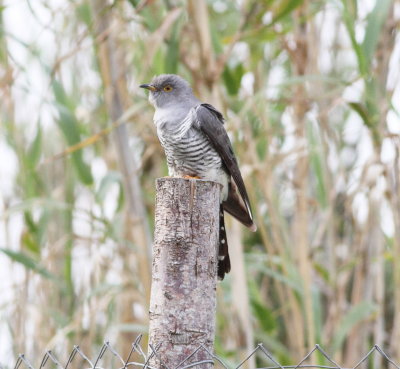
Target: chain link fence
109,357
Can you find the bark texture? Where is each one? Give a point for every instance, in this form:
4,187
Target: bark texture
183,292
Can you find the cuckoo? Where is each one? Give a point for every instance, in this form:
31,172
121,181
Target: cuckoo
196,145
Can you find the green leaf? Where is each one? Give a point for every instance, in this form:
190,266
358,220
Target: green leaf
215,38
233,78
317,314
45,203
84,14
158,62
292,281
349,14
69,126
361,110
316,162
134,3
29,222
29,242
368,119
35,149
285,8
60,94
152,15
29,237
42,225
375,21
354,316
109,179
264,316
27,262
322,271
172,54
262,147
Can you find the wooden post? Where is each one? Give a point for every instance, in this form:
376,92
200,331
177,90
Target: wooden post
183,291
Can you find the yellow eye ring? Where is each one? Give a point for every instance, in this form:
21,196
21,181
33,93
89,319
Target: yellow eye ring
167,88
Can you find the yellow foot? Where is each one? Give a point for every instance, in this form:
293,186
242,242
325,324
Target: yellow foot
191,177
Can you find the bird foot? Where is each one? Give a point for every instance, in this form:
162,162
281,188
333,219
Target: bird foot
191,177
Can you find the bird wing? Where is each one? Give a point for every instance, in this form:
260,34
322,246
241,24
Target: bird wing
210,121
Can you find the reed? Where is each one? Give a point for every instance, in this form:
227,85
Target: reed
310,93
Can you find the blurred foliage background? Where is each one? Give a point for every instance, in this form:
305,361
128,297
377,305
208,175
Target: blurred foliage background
310,90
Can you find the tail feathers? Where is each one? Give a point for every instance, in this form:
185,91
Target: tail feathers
234,205
224,263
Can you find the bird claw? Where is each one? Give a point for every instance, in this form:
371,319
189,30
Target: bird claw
191,177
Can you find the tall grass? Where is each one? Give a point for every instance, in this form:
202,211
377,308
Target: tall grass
310,92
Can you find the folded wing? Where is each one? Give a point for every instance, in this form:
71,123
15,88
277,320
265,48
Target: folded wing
210,121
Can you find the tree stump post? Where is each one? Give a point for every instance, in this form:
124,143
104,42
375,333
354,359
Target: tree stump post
183,292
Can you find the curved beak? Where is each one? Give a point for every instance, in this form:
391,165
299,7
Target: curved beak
149,87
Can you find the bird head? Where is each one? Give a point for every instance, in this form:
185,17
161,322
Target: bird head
167,89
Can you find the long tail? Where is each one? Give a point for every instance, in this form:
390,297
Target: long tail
224,263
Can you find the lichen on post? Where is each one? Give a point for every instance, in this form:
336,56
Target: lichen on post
183,292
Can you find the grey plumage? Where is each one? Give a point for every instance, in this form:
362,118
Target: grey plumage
197,145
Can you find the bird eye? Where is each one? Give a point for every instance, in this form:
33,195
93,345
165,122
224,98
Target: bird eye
167,88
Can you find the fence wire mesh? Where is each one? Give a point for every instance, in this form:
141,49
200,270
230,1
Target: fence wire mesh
137,358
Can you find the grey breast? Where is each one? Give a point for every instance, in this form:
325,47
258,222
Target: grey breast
188,150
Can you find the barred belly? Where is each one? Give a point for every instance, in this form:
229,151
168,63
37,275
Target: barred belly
190,153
